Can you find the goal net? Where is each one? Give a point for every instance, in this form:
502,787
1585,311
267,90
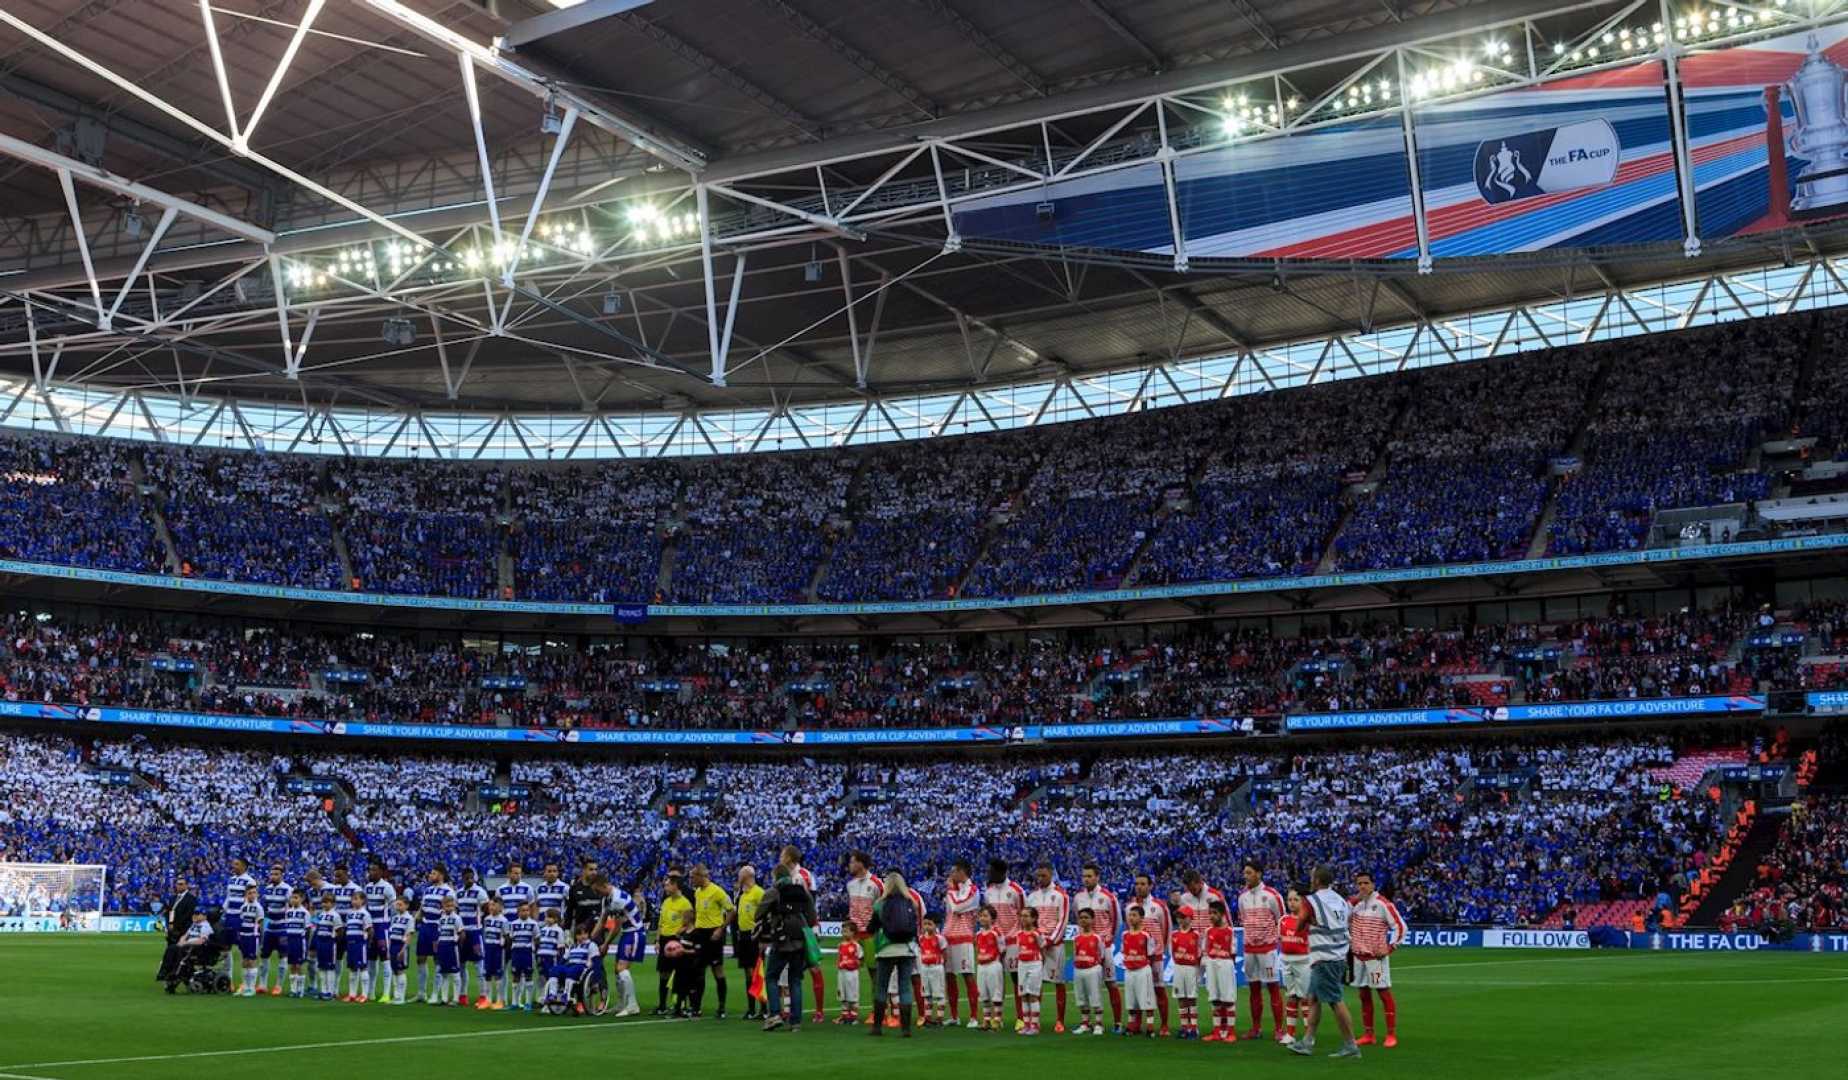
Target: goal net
54,896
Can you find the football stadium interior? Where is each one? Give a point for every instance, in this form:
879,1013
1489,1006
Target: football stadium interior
1115,517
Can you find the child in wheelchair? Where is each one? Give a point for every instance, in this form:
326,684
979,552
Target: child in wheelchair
576,983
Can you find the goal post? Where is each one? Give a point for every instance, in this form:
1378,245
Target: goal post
53,896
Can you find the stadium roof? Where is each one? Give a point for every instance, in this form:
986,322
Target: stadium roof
338,162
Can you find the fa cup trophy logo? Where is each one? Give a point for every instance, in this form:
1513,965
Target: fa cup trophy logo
1819,135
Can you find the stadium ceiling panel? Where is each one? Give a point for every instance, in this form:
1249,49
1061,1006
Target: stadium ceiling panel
795,222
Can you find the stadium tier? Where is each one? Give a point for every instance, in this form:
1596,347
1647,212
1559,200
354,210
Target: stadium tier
1566,451
252,668
1476,831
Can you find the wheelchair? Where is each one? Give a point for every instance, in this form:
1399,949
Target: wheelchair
590,990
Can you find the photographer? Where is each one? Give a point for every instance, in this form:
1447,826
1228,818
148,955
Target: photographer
894,927
782,932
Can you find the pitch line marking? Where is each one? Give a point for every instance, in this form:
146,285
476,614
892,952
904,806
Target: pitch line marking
21,1076
385,1041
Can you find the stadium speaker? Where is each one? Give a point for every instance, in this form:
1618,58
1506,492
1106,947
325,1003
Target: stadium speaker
1044,212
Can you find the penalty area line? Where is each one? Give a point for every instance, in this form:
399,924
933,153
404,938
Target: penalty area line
385,1041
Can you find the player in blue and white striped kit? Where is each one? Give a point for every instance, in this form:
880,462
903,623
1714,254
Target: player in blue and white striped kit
550,893
514,893
522,932
625,938
398,938
431,899
324,936
493,958
356,935
471,899
345,890
275,894
249,937
448,953
381,898
295,940
236,888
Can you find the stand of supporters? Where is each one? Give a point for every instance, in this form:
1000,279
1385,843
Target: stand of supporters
754,527
590,534
247,517
872,683
1586,822
1438,466
1802,881
74,502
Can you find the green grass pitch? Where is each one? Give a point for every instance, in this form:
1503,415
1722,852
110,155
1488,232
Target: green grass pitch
87,1008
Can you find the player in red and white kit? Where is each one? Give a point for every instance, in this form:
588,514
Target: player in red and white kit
1158,923
961,900
1106,916
1198,897
863,890
792,858
1260,910
1221,973
1374,930
1053,907
1008,899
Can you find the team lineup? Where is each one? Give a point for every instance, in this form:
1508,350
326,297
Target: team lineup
530,945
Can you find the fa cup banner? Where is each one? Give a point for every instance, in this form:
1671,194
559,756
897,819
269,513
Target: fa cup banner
1547,161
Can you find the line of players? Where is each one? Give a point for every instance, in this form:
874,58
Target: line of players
523,932
1001,935
518,943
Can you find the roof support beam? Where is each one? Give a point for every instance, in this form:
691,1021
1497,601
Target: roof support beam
995,51
141,134
670,146
1256,20
564,20
866,65
789,114
1102,14
95,176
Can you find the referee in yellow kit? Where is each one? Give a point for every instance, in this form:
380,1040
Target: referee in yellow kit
744,936
712,911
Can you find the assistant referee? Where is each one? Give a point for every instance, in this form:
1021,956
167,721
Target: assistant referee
744,936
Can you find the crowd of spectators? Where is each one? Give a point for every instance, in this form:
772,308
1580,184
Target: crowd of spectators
756,528
423,528
1461,459
74,502
1441,825
1468,471
1675,426
590,534
1803,880
238,516
1091,501
919,515
779,684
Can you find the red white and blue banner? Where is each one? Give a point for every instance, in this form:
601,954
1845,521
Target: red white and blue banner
1578,162
1337,192
1766,132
